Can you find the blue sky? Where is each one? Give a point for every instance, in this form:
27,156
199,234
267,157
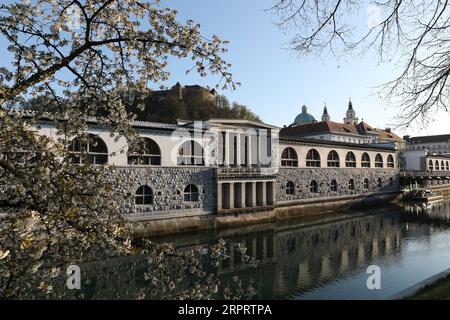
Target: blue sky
276,82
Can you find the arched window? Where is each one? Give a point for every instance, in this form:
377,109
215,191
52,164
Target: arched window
313,158
351,184
365,160
90,149
333,159
289,158
290,187
391,181
430,165
144,151
191,193
313,187
334,186
447,166
380,183
378,161
350,160
442,166
190,154
390,161
143,196
436,165
366,184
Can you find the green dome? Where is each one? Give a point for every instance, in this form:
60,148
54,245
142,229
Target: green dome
304,117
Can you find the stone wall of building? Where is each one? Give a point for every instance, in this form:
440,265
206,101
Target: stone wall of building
168,185
301,177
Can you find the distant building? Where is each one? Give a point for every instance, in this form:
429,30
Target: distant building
304,117
438,144
350,131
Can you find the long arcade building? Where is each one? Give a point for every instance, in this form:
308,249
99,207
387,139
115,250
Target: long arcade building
223,166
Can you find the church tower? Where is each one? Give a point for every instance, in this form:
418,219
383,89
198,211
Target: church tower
350,115
325,115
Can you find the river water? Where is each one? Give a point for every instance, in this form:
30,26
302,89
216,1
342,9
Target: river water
326,257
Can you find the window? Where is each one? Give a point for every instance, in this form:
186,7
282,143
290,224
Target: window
191,193
390,161
313,158
380,183
436,165
350,160
351,184
365,160
378,161
90,149
334,186
190,153
442,166
333,159
290,188
143,196
366,184
447,166
144,151
313,187
289,158
430,165
391,182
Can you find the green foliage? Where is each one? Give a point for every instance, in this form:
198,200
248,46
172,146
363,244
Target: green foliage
167,107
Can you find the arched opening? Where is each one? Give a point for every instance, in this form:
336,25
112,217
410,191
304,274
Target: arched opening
390,161
313,187
144,151
447,166
89,149
333,186
430,165
351,185
366,184
333,159
290,188
191,193
143,196
436,165
190,154
313,158
365,160
350,160
442,165
289,158
378,161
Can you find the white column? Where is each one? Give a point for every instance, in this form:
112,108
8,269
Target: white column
219,196
243,191
264,193
231,195
226,156
253,194
238,150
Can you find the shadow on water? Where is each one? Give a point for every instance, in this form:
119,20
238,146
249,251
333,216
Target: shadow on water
319,257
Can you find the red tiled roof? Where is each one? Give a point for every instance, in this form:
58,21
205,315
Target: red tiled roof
325,127
317,128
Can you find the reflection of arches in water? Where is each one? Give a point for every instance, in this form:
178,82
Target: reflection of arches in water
333,249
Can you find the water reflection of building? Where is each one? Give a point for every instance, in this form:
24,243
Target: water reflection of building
302,258
435,212
296,256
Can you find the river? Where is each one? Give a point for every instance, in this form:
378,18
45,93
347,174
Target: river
327,256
